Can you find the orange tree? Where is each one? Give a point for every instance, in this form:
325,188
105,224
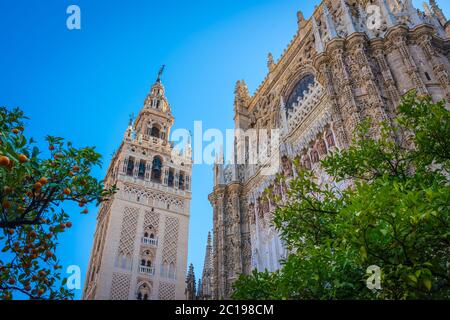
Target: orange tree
33,189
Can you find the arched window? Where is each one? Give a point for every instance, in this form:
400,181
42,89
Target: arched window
172,271
156,131
152,236
143,292
143,262
181,181
124,262
130,166
299,89
164,269
156,169
171,179
142,165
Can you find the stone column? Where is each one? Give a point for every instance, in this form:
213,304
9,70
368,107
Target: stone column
388,78
325,77
375,104
349,108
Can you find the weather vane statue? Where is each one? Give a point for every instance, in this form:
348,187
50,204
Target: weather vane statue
161,71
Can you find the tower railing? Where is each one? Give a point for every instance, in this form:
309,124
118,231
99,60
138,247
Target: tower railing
150,271
150,241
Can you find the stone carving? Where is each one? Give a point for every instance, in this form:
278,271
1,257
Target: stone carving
359,72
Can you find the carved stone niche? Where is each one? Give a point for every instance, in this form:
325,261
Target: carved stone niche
321,147
287,166
306,161
329,137
315,156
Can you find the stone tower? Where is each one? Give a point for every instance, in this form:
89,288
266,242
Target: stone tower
205,292
141,240
351,60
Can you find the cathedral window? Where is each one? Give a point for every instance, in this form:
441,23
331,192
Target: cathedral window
142,165
299,90
156,169
130,166
427,75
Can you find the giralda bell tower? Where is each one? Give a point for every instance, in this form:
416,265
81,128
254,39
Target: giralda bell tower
141,240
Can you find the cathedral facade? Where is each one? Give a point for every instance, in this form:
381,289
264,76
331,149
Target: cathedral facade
141,240
351,60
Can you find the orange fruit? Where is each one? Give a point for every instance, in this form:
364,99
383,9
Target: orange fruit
37,186
4,161
23,158
43,180
67,191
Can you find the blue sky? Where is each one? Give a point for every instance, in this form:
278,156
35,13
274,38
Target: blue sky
84,84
